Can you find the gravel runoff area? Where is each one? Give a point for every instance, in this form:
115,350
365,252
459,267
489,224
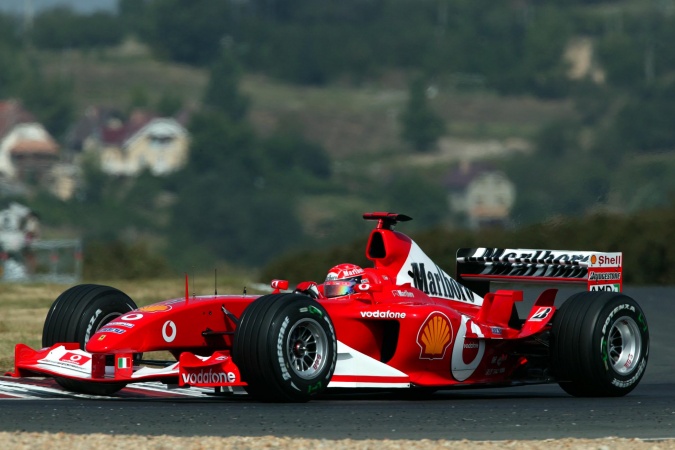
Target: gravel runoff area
16,440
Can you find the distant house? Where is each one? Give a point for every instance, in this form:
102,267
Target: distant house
27,150
85,133
65,180
144,142
25,256
480,195
19,227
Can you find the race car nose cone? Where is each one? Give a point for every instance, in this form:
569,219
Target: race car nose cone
99,343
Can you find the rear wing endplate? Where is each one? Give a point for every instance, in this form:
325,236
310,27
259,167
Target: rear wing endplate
477,267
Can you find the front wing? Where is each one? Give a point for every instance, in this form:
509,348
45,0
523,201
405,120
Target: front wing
67,360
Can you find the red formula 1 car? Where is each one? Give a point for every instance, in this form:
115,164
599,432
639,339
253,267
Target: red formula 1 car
403,323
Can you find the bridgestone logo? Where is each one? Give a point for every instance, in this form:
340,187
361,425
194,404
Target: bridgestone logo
605,276
633,379
383,314
280,350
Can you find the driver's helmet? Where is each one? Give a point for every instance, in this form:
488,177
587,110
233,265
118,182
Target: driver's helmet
341,280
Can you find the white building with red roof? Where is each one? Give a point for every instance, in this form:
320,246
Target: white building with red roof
27,150
480,194
143,142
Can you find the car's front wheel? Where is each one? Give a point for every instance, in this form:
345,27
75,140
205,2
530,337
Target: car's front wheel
75,316
599,344
285,348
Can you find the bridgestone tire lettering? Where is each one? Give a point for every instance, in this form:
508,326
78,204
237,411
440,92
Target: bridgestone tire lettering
599,344
92,322
271,352
75,316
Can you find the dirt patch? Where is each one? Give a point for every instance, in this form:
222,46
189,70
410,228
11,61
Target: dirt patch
91,441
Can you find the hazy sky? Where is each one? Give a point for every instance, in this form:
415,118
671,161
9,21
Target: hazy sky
84,6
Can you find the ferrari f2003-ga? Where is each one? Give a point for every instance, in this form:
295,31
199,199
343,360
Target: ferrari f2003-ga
403,323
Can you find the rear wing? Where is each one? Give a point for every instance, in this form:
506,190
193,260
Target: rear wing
477,267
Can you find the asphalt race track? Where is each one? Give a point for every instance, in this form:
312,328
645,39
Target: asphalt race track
531,412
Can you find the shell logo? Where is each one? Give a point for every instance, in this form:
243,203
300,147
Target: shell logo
594,259
435,336
155,308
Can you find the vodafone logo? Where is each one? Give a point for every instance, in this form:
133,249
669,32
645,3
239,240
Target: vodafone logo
383,314
169,331
470,351
132,317
208,377
75,358
467,353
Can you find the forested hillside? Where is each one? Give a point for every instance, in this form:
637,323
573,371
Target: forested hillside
306,114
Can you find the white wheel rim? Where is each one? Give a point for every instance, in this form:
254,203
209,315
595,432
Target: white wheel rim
624,345
306,348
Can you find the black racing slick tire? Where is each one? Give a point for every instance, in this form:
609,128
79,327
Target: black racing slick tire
285,348
599,344
75,316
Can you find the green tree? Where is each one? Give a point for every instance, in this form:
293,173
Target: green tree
622,58
222,92
12,70
644,124
289,151
552,186
139,98
50,99
544,45
417,196
555,140
168,104
9,30
190,32
421,125
133,15
230,209
62,28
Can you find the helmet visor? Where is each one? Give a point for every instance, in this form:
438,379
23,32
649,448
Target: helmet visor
338,288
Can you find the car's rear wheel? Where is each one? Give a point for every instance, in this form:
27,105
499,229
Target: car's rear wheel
599,344
75,316
285,348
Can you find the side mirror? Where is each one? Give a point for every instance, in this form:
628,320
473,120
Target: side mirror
279,285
